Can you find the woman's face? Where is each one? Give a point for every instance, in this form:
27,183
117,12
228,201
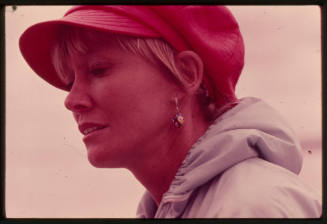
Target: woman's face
122,104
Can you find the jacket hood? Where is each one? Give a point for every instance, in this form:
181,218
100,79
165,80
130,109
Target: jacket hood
250,129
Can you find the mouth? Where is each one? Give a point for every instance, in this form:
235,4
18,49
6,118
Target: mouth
90,128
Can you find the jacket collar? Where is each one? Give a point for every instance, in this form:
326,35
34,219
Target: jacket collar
250,129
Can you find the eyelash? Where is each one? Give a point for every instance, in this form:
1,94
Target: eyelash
94,71
98,71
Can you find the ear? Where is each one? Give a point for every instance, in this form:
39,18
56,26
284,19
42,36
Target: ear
190,68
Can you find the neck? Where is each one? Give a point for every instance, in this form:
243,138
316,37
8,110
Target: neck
158,170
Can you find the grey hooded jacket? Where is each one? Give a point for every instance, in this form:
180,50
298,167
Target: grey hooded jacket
244,166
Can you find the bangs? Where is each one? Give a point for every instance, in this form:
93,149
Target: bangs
74,41
70,42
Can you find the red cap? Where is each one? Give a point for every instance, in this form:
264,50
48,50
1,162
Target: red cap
210,31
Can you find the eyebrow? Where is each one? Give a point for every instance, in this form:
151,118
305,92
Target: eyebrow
101,60
97,62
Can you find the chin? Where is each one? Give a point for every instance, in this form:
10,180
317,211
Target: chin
98,160
96,163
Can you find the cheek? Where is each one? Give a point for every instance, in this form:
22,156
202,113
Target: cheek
139,110
138,97
135,101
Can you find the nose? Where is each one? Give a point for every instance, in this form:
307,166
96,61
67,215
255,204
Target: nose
78,99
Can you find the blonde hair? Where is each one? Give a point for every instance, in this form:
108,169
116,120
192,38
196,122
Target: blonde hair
157,51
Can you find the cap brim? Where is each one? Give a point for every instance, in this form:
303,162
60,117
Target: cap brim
37,41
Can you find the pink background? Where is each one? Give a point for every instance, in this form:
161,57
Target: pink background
47,172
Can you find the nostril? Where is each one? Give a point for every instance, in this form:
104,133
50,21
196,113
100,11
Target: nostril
79,107
77,102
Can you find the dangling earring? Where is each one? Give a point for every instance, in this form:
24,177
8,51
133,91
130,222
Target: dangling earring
178,119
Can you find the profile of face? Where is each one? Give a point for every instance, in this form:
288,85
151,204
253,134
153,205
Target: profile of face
121,102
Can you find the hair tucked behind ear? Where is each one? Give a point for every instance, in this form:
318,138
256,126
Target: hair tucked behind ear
74,40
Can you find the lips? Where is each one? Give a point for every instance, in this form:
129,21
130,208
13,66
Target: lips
88,128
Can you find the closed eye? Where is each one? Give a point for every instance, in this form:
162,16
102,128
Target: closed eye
98,71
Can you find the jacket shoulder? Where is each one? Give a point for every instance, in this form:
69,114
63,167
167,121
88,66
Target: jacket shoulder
256,188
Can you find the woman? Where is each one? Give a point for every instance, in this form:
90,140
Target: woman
152,90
